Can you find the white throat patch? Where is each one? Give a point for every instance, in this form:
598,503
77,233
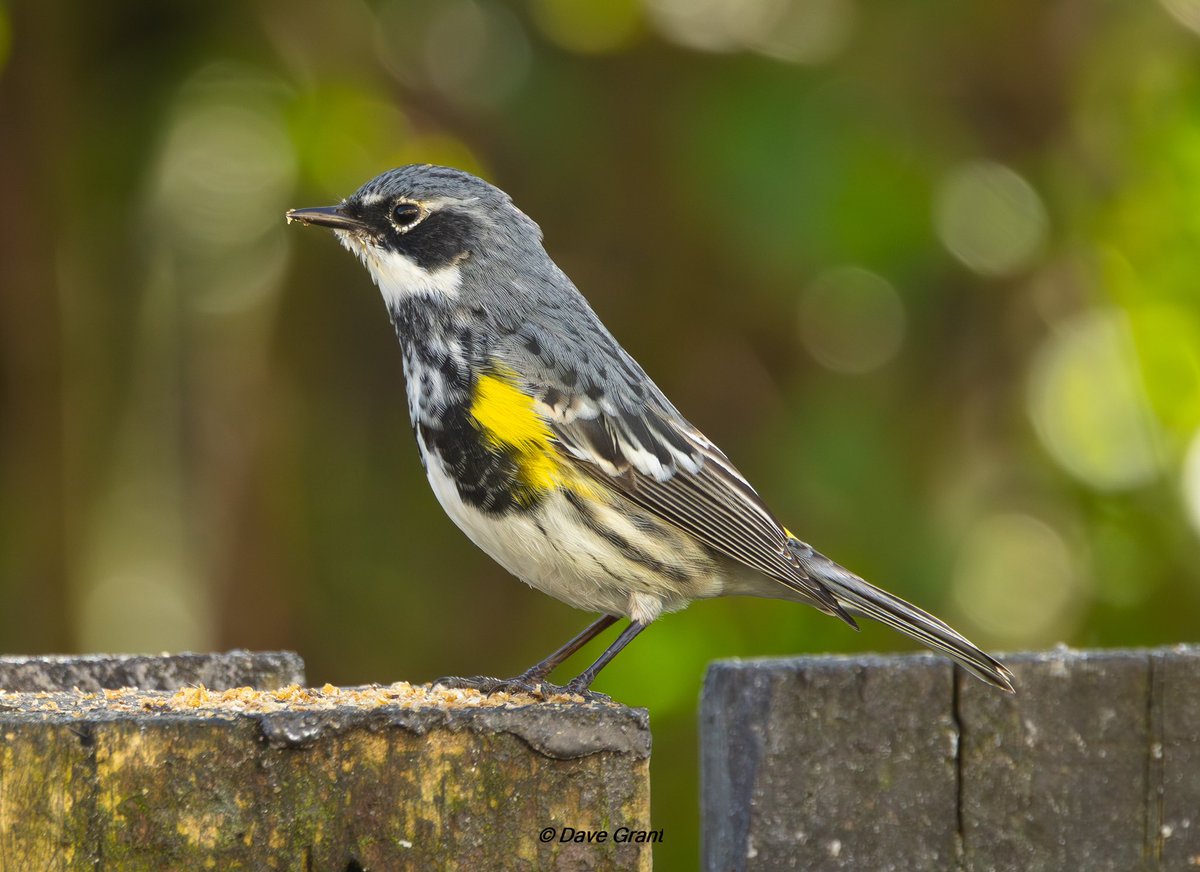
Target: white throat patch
398,276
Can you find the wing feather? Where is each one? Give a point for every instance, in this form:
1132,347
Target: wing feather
666,466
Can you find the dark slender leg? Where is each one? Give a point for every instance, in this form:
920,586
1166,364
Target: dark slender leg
542,670
583,681
533,679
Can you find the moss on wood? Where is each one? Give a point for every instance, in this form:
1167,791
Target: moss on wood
320,780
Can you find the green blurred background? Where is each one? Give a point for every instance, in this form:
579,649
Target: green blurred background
926,271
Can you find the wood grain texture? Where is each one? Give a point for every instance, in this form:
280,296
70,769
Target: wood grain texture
341,789
832,763
261,669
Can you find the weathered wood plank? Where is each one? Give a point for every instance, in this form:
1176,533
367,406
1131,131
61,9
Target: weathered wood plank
1174,832
261,669
817,763
137,781
1056,777
893,763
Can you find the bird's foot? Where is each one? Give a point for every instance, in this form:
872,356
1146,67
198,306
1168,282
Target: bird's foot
530,684
488,685
582,688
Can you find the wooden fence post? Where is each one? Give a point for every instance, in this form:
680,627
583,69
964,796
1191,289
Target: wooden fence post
832,763
374,778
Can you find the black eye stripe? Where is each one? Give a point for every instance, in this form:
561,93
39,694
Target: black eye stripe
406,214
439,239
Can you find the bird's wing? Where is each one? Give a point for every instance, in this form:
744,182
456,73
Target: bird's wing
614,424
662,463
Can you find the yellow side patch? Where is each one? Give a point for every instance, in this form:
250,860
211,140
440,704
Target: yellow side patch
507,419
507,414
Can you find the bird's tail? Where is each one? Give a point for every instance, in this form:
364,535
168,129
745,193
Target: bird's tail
864,598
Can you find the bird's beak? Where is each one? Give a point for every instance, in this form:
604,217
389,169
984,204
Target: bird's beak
325,216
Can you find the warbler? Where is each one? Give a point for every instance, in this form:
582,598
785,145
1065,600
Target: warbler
551,448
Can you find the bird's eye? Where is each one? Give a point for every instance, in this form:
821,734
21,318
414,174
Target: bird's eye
406,215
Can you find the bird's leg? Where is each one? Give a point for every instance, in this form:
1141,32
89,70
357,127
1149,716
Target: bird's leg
583,681
533,679
540,671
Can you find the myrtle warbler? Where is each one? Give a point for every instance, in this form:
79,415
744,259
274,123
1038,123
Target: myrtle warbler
553,451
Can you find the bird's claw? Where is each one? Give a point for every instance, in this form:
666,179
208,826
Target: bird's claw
488,685
588,695
533,686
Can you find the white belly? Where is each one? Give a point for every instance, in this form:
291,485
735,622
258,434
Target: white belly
551,550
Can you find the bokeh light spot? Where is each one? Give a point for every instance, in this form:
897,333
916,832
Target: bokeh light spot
139,589
1186,12
851,320
476,53
1016,579
145,607
1191,482
707,25
344,135
228,164
589,26
1088,405
990,218
805,31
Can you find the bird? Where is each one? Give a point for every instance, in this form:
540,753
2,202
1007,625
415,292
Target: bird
552,450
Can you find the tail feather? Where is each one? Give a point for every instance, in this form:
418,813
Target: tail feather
865,599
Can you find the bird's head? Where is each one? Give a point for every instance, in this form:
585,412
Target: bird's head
417,229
